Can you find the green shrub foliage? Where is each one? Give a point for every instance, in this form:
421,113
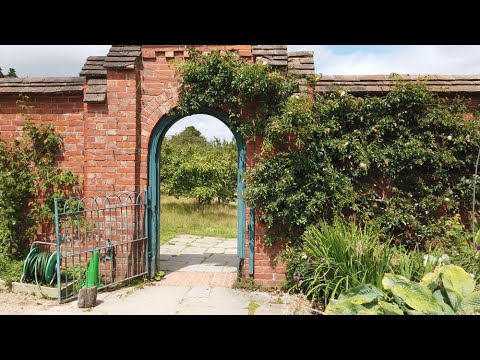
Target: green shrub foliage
195,168
29,182
405,159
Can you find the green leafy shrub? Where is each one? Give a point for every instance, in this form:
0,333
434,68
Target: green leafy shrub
337,257
199,169
10,269
447,290
405,159
29,182
458,245
402,160
228,82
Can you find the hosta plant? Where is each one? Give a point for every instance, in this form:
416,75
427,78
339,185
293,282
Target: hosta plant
447,290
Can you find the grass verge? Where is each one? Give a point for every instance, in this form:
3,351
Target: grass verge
185,216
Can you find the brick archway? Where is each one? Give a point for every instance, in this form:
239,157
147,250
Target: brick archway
154,166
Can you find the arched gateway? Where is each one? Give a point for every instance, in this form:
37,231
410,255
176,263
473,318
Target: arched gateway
114,115
154,166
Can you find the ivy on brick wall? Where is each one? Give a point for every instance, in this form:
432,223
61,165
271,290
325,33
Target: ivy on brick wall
29,182
404,160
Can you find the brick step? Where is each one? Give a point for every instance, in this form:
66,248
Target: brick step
208,279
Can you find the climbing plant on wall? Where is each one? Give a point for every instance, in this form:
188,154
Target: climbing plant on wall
404,160
29,181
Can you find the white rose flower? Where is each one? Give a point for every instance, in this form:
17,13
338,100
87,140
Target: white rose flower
449,137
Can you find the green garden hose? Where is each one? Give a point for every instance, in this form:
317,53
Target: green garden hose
35,268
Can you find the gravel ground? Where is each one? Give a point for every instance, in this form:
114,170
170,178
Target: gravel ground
17,304
12,304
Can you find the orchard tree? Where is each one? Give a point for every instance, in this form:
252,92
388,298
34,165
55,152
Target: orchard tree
195,168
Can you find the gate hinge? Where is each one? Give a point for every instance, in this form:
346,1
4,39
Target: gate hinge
149,254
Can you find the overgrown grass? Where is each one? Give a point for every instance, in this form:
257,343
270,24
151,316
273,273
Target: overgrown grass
337,257
186,216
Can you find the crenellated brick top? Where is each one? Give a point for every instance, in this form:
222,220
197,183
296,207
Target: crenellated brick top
274,55
94,68
122,56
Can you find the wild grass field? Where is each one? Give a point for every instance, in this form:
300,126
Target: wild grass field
186,216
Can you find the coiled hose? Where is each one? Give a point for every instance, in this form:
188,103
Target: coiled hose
34,268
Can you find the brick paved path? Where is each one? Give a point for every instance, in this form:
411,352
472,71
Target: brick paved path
199,261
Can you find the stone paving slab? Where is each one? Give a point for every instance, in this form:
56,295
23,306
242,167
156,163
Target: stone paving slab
198,255
171,300
192,250
197,282
215,250
171,249
180,240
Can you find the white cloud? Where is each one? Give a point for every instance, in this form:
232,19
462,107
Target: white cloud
208,125
405,59
48,60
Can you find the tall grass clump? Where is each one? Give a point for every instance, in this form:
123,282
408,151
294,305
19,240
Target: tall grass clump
336,257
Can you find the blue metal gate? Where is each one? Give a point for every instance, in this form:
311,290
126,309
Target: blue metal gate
101,241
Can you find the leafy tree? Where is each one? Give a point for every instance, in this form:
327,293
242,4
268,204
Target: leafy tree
195,168
188,136
11,73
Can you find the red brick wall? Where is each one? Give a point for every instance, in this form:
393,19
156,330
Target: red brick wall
64,112
107,145
112,137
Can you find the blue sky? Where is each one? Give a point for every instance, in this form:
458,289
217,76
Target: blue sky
67,60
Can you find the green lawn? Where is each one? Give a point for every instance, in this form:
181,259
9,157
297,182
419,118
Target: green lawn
185,216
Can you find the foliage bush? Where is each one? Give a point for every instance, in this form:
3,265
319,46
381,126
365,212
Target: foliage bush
199,169
457,244
228,82
29,182
448,290
10,269
405,159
